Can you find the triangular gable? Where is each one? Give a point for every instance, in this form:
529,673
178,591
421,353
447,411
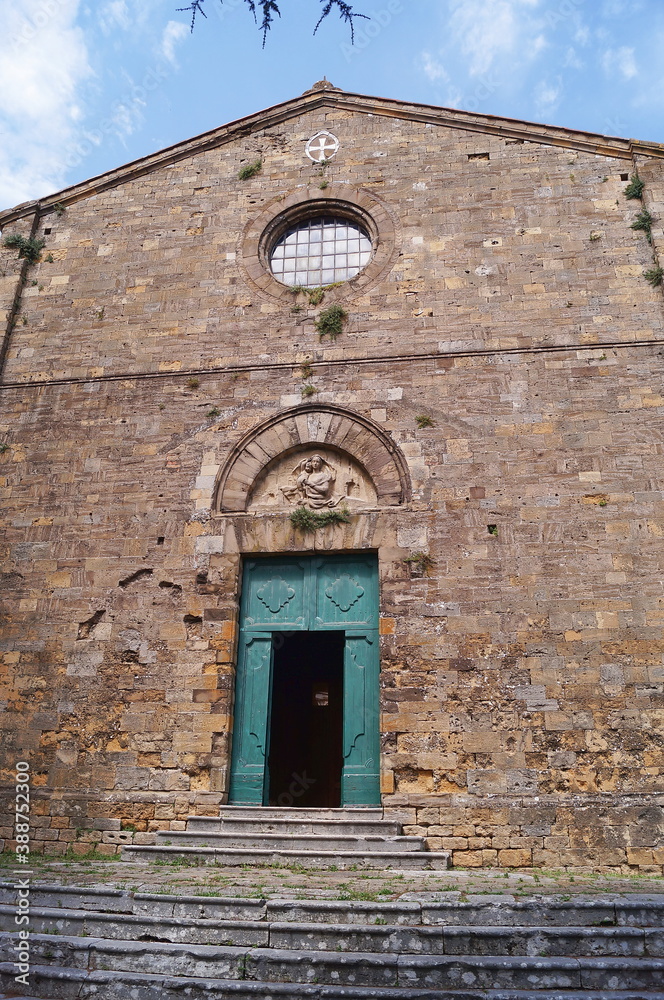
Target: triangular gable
325,95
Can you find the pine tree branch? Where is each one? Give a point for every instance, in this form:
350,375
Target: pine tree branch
269,9
195,8
346,13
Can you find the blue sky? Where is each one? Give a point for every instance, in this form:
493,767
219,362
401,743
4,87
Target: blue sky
87,87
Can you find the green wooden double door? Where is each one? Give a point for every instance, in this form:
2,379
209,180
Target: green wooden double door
306,697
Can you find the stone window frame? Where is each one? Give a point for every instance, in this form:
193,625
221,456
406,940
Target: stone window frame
355,204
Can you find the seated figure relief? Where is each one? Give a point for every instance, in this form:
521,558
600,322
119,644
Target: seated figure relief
314,485
319,480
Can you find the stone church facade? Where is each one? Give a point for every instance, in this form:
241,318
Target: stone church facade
343,419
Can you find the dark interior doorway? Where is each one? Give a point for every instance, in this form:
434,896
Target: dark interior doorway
306,723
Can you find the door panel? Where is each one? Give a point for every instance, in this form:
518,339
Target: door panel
346,592
252,711
308,593
360,779
275,594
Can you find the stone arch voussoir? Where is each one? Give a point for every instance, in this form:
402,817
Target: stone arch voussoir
327,425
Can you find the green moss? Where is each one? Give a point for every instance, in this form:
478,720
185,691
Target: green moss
424,421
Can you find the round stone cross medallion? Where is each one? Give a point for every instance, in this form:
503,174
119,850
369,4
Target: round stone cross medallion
322,146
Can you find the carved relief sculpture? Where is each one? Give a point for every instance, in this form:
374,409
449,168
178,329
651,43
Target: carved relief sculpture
314,485
321,480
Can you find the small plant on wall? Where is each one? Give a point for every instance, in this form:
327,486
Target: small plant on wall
250,170
643,222
27,247
420,562
330,322
309,520
635,187
654,276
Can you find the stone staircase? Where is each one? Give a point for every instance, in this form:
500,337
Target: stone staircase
313,838
110,944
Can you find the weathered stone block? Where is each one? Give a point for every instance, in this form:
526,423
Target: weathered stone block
515,858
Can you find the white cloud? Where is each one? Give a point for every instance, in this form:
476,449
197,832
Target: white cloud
114,14
619,8
174,33
548,95
129,14
620,61
487,30
433,69
582,35
43,65
571,60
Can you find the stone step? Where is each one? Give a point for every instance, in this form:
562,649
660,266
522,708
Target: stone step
418,860
504,909
137,927
269,965
470,941
499,910
346,814
338,843
51,983
375,938
242,825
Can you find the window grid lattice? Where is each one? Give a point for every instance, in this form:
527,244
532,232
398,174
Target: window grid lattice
320,251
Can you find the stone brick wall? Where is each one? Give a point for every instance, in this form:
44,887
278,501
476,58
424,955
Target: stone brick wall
522,674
